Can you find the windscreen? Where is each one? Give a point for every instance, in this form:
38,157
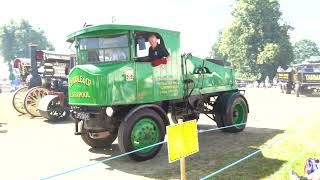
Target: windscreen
104,49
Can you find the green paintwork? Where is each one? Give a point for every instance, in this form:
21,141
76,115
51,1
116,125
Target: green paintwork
238,113
144,133
110,85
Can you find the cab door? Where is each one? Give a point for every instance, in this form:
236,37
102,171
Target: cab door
155,83
143,70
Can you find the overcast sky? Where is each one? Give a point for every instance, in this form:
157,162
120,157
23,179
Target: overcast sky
199,21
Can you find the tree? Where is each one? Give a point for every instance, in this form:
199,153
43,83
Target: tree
304,49
215,53
256,42
15,38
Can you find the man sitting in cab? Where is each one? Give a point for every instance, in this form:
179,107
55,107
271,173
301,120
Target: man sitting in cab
158,54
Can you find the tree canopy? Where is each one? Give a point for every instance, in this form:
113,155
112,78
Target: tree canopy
304,49
15,38
256,42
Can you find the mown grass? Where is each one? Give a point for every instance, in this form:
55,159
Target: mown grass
303,142
302,145
303,136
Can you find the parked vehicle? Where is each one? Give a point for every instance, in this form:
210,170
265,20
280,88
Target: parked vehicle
115,90
44,74
302,78
307,78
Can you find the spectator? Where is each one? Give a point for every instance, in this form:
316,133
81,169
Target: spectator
312,169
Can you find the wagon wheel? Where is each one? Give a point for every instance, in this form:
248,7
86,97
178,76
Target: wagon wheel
32,99
17,100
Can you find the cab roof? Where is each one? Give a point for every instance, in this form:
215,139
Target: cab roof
112,29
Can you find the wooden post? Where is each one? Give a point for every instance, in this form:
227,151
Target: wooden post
182,162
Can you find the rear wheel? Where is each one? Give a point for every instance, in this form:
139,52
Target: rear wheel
90,140
143,128
18,100
231,109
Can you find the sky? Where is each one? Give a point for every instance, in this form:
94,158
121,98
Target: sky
199,21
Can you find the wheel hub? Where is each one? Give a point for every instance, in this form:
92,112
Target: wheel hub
145,132
238,114
235,114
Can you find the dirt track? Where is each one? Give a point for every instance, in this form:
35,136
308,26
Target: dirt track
35,148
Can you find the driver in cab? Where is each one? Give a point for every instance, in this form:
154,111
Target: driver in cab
158,54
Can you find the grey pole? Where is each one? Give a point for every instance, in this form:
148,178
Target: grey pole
34,68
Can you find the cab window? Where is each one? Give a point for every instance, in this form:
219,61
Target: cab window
104,49
142,44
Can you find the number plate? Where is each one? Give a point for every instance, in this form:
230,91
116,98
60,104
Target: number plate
83,116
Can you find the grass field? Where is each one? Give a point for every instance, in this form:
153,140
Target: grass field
297,144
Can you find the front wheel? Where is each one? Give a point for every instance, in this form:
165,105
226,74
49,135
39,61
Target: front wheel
143,128
50,108
232,109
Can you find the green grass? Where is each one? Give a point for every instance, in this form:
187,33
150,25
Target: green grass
267,164
306,143
301,139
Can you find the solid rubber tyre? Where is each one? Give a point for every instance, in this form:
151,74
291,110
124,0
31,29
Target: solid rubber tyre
126,130
227,107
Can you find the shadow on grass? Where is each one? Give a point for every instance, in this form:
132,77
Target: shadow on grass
217,149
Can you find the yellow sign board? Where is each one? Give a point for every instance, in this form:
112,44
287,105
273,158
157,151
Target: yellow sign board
182,140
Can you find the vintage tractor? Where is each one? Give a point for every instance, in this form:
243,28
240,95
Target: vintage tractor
45,73
115,90
54,106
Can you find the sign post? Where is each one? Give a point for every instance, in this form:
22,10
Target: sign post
182,142
182,162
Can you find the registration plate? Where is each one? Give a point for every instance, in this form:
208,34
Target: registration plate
83,116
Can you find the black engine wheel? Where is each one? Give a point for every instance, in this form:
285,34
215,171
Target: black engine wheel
231,109
143,128
97,142
50,108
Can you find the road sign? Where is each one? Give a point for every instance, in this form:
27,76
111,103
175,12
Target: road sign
182,140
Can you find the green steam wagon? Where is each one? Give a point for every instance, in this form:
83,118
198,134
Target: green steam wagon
116,90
